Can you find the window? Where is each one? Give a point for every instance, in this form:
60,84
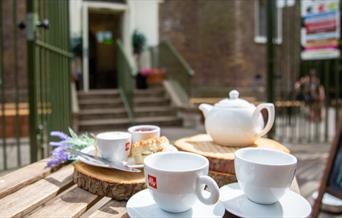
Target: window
260,23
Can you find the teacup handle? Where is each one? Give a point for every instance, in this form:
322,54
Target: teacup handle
212,187
270,110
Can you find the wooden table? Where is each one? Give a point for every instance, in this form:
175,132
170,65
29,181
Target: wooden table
36,191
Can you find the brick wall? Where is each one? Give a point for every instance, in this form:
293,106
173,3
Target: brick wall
217,39
8,50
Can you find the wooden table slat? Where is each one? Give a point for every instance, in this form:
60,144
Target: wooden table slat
115,209
32,196
72,203
18,179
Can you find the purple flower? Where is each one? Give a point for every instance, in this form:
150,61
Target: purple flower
59,155
59,134
146,71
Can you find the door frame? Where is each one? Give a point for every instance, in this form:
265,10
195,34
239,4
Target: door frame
115,7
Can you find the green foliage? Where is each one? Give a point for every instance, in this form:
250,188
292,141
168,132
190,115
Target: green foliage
138,42
81,141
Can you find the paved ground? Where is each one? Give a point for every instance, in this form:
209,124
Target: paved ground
311,158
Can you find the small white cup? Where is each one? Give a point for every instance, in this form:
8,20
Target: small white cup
141,132
264,174
177,179
114,146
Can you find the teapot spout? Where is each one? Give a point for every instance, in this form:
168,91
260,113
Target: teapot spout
205,108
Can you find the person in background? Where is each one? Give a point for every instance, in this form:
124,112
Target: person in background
310,90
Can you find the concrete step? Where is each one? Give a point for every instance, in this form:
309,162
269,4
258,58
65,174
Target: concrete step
91,114
102,110
155,111
104,125
151,101
123,123
98,101
160,121
100,104
154,92
99,94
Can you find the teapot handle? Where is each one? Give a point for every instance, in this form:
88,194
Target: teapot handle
270,110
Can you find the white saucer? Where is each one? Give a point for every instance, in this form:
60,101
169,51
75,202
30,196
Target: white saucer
290,205
130,161
142,205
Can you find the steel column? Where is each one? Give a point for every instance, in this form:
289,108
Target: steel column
270,55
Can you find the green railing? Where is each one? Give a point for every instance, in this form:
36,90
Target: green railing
178,71
126,74
34,79
49,70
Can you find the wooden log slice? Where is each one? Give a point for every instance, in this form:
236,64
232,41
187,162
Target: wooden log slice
222,178
221,158
116,184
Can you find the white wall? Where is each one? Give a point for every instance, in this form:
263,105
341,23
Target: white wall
145,14
142,15
75,8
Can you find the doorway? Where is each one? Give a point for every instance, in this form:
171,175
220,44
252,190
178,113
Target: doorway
104,29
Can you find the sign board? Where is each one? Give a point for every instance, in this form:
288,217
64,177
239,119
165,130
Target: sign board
332,177
320,32
104,37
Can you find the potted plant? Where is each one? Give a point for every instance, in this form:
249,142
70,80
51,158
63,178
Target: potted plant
138,44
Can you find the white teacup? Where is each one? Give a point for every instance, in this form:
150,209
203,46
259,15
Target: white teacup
141,132
177,179
114,146
264,174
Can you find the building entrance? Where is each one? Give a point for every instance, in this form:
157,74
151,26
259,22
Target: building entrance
104,30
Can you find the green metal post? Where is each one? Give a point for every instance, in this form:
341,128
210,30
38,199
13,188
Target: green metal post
2,90
32,81
337,84
327,98
16,81
270,55
68,45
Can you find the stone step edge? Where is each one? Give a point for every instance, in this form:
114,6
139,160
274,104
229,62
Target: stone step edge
125,120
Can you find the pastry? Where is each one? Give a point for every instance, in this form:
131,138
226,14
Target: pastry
145,147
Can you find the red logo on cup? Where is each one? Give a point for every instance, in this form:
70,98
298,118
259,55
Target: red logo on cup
127,146
152,181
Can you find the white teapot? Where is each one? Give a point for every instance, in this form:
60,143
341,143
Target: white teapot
236,122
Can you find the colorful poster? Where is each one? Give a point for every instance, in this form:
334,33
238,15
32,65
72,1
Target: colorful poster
320,32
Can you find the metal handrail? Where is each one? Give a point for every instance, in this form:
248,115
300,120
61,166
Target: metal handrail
178,71
126,74
179,57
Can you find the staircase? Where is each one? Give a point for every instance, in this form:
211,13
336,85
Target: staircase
153,106
103,110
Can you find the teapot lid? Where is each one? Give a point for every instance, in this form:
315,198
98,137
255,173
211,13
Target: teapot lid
233,101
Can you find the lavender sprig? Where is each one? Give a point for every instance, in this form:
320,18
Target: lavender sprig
59,134
59,154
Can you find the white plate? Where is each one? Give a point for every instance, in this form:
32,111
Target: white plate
142,205
130,161
290,205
